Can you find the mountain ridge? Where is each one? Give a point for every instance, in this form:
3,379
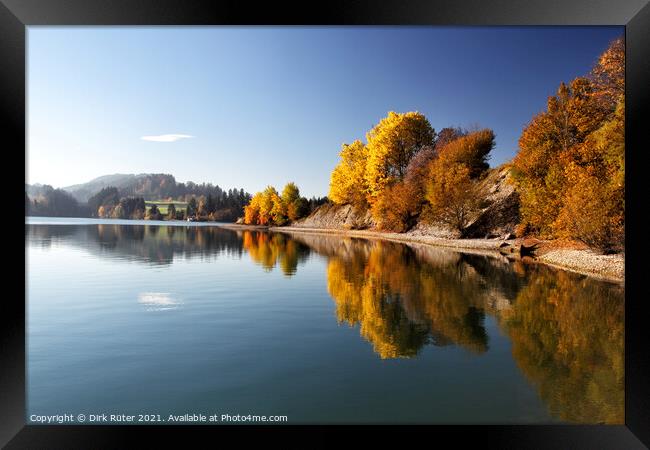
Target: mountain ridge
151,186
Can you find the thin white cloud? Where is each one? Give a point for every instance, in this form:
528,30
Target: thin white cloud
166,137
158,301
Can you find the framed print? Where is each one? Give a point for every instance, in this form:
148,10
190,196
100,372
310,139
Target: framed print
397,217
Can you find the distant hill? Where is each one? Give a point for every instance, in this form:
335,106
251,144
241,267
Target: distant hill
150,186
35,190
82,192
85,199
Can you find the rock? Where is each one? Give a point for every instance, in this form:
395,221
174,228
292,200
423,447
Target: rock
501,215
341,217
530,246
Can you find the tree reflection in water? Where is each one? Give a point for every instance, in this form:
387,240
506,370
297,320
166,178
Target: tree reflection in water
566,330
268,250
567,336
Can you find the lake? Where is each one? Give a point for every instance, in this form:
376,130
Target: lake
134,317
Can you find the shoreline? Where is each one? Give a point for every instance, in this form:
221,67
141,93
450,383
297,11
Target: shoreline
583,261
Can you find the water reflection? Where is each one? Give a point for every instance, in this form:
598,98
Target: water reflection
567,337
152,244
157,301
566,330
269,250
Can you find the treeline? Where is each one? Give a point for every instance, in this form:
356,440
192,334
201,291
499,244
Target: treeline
165,186
54,203
407,172
222,206
204,202
271,208
108,203
225,206
570,169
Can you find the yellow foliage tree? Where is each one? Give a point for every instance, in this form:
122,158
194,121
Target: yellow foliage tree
295,205
267,203
269,208
348,182
391,145
278,211
290,193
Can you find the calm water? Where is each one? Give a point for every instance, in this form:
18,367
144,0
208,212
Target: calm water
126,318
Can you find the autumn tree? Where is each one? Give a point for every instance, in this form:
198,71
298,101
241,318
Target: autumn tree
593,208
278,210
297,209
391,145
107,197
608,74
390,173
266,208
270,208
402,203
267,203
547,146
290,193
296,206
570,167
118,212
348,180
448,134
396,209
452,194
252,210
202,208
451,186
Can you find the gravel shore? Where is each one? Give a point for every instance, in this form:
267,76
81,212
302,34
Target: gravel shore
587,262
583,261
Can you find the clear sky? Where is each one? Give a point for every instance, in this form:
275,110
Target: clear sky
267,105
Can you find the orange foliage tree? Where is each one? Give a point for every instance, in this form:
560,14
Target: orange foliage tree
570,166
451,189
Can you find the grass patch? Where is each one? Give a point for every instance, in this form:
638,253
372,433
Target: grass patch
163,206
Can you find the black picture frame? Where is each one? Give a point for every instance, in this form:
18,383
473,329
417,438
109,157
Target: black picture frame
16,15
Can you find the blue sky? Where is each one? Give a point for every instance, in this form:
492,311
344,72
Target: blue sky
267,105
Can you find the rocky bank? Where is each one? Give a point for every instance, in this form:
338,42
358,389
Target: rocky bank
497,218
492,229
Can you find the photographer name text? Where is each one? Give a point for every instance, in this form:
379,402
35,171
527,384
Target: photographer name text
154,418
